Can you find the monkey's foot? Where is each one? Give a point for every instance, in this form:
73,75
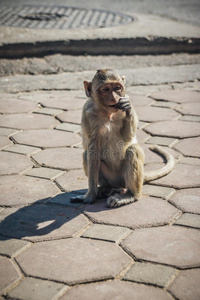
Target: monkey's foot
78,198
119,200
82,198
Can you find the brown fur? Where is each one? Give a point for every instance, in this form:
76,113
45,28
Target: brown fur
112,159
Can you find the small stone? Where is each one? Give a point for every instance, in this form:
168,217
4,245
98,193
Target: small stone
150,274
187,200
12,247
22,149
68,127
186,286
34,289
9,274
158,191
106,232
189,220
46,173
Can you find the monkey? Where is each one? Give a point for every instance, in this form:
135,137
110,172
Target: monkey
113,160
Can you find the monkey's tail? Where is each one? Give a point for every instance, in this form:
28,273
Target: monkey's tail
155,174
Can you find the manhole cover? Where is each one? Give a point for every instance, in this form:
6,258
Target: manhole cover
51,17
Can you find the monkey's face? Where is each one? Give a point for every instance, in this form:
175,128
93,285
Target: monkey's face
109,95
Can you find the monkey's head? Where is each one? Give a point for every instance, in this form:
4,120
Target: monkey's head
106,88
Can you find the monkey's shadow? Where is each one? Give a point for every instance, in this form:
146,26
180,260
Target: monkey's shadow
47,219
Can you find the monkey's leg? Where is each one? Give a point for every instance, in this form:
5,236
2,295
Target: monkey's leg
133,177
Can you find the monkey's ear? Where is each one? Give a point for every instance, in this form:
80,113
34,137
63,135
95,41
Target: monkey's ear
123,79
87,86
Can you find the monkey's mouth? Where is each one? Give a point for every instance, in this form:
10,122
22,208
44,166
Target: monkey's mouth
114,106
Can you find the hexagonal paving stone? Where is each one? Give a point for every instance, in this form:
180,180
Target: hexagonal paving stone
4,141
155,114
140,100
177,129
18,190
150,273
47,138
177,96
115,290
9,274
63,102
41,222
172,245
146,212
187,200
27,121
182,176
71,116
34,289
12,247
189,147
16,106
186,286
74,260
12,163
73,180
189,109
63,158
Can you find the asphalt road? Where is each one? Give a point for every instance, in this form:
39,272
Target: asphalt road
179,10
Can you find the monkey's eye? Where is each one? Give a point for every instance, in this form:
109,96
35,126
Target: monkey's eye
117,88
105,90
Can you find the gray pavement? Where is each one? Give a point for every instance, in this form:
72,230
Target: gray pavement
53,249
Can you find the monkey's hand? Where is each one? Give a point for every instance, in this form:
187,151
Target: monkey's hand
124,104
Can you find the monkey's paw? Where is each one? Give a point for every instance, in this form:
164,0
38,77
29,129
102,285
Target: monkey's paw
124,104
82,198
78,198
119,200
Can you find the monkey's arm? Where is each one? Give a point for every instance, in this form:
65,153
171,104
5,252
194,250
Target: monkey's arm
92,158
130,119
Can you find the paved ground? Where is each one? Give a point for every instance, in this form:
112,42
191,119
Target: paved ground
52,249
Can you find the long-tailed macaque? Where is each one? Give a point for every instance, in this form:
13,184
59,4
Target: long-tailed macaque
112,159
